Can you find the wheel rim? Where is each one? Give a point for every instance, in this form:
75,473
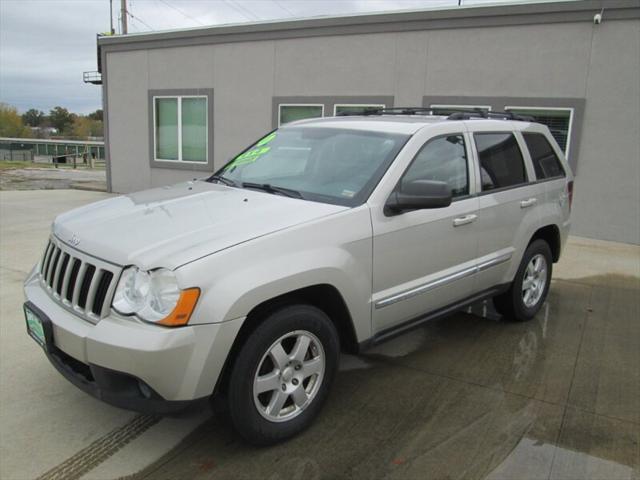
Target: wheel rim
534,281
289,376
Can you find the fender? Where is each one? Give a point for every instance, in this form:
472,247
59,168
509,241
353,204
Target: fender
337,253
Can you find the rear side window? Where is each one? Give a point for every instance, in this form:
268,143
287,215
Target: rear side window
443,159
545,161
501,162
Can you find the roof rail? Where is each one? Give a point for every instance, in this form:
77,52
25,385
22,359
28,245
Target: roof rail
478,113
387,111
462,114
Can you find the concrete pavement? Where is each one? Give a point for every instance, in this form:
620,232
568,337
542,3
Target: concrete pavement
465,397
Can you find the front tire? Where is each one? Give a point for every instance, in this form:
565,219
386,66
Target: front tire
530,287
282,374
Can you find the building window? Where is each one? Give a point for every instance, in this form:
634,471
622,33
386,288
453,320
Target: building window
180,128
353,108
290,112
558,120
447,110
501,162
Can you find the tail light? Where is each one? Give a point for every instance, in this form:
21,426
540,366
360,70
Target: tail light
570,193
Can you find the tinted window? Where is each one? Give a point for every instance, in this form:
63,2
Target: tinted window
545,161
558,122
443,159
501,163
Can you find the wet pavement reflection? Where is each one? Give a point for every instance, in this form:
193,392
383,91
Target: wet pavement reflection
469,396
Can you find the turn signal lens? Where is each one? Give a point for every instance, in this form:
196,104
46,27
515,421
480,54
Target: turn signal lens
181,314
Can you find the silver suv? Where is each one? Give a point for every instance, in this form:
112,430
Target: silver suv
325,235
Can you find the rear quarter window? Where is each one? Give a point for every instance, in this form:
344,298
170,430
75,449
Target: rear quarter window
545,161
501,162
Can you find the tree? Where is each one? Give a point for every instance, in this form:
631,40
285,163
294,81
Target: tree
11,123
61,119
97,115
33,117
84,127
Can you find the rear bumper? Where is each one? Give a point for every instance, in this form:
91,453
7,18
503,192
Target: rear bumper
132,364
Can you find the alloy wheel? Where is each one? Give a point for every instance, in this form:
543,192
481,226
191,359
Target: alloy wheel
289,376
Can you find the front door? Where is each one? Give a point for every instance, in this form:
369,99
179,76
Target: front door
425,259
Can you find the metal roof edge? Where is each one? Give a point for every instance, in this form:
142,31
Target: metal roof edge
459,17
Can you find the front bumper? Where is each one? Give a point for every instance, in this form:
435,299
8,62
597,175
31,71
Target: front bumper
132,364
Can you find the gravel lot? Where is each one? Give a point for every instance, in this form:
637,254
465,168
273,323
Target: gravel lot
53,179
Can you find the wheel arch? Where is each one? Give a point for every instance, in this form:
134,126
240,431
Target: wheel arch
551,235
325,297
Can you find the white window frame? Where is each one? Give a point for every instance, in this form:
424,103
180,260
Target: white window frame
563,109
280,105
466,107
348,105
206,127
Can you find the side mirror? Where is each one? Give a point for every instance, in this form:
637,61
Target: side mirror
418,195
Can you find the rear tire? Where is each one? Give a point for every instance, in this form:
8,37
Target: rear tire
530,287
282,374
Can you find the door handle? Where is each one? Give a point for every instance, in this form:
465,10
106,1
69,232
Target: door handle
464,220
528,203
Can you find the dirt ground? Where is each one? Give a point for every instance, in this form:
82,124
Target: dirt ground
53,179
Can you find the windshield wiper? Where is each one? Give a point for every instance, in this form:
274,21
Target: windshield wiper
221,179
266,187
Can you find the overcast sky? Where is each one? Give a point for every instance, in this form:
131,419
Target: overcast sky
45,45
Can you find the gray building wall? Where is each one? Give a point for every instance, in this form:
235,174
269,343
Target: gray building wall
597,66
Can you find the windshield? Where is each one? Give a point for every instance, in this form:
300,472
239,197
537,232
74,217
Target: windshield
321,164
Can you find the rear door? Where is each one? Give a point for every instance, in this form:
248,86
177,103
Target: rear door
552,174
507,211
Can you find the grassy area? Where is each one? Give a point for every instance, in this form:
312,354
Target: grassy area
8,165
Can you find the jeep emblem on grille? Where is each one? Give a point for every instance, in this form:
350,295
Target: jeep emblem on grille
74,241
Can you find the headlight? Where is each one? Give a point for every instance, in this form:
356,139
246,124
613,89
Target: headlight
154,297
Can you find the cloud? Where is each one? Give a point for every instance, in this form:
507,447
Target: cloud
46,45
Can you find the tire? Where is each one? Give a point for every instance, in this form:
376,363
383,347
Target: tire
517,305
284,400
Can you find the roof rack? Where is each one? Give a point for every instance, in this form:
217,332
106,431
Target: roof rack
479,113
387,111
462,114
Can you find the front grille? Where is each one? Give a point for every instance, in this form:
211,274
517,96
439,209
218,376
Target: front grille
79,282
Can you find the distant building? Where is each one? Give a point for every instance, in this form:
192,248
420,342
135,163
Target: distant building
179,104
44,131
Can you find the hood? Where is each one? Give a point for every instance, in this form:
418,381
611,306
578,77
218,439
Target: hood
170,226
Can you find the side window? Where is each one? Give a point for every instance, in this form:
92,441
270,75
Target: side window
545,161
443,159
501,163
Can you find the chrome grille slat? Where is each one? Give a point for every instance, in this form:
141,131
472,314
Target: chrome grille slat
56,274
45,258
79,282
73,278
111,289
65,279
91,295
52,266
78,285
84,286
